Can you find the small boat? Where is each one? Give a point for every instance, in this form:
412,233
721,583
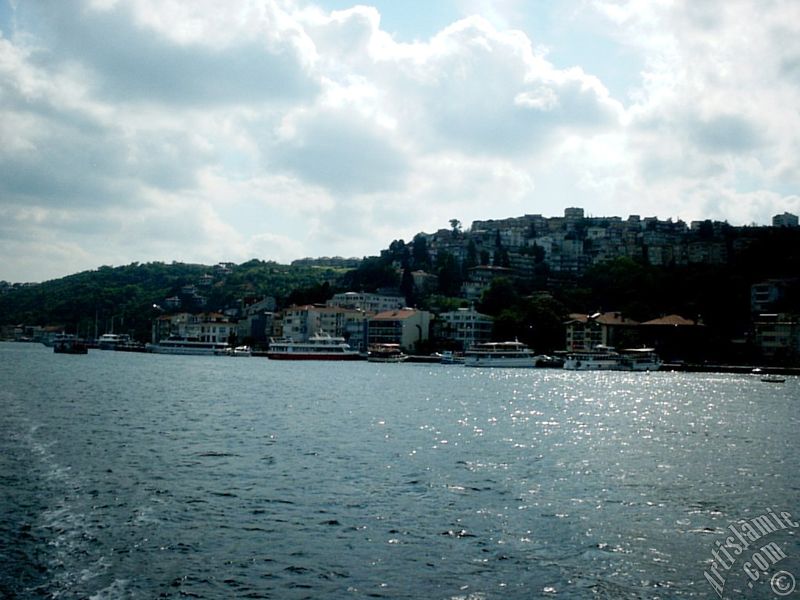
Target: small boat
448,357
69,344
500,354
772,379
386,353
320,346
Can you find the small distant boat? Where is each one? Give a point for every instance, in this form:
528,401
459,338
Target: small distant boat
499,354
386,353
772,379
69,344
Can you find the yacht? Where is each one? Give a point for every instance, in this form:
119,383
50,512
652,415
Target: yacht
500,354
320,346
193,346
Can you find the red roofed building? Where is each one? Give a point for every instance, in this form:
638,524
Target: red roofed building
586,332
675,337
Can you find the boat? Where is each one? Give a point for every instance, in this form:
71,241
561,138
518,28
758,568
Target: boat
448,357
639,359
190,346
772,379
320,346
544,361
500,354
111,341
603,358
69,344
386,353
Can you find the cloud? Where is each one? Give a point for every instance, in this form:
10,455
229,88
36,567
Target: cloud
129,54
203,131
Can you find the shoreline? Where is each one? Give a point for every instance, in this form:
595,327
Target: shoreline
738,369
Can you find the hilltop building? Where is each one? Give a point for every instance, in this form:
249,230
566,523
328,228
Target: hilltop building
785,220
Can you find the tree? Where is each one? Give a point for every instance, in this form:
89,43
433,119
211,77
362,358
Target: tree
420,255
500,295
449,273
407,287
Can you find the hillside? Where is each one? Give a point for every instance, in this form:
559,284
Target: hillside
127,298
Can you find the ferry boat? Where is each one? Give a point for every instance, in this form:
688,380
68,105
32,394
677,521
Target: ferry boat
500,354
320,346
190,346
386,353
604,358
640,359
111,341
601,358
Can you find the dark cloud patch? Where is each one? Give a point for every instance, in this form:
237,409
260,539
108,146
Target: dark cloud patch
343,153
130,62
790,68
725,134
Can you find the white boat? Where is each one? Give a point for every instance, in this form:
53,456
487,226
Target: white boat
320,346
604,358
448,357
193,346
111,341
500,354
640,359
386,353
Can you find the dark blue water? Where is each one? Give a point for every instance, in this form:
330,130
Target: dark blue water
147,476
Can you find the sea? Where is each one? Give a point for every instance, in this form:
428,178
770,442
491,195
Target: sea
151,476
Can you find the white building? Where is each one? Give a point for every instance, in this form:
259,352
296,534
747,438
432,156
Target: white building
466,326
370,303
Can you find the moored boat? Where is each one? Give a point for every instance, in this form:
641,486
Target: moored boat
112,341
69,344
603,358
500,354
386,353
320,346
639,359
188,346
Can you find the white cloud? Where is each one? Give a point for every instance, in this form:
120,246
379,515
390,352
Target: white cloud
201,131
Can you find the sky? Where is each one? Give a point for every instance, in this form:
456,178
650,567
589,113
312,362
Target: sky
205,131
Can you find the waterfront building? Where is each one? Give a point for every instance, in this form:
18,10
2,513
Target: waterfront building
586,332
465,326
406,327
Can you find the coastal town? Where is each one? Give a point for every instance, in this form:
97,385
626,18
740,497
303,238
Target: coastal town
535,252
